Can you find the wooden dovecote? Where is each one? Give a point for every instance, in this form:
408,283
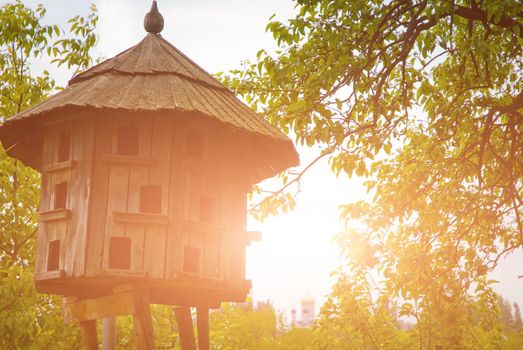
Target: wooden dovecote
146,162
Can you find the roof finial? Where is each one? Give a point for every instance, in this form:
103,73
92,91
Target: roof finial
153,21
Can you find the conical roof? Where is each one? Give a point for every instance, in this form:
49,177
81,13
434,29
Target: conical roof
153,76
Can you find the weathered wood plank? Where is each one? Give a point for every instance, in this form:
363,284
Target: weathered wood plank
82,147
226,174
106,306
66,165
237,238
176,208
202,321
138,177
98,197
51,235
45,203
145,125
117,196
130,160
203,227
89,336
185,327
161,149
54,222
121,273
159,175
62,233
140,218
211,256
55,214
154,250
109,333
193,239
137,234
237,221
143,326
49,275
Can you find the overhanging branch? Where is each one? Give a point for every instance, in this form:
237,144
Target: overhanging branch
477,14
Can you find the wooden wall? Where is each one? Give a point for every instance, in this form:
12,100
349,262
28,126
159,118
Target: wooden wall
196,229
67,163
119,179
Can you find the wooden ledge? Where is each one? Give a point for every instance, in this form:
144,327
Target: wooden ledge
54,215
203,227
198,276
121,272
106,306
133,160
140,218
68,164
49,275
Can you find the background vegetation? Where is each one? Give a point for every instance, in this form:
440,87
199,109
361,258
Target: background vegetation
423,98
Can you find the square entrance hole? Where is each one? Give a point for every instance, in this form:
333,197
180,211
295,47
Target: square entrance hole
53,255
60,195
120,253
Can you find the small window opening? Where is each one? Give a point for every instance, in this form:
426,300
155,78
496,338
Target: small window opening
64,147
120,253
151,199
53,255
208,209
127,141
194,144
60,195
191,259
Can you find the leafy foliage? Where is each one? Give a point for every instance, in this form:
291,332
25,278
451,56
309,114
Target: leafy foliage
296,339
241,327
425,100
29,320
164,324
351,315
74,51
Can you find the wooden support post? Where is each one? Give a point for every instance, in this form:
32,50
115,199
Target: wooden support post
125,300
202,320
109,333
143,326
89,337
185,327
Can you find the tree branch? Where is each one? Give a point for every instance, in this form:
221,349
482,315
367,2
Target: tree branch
475,14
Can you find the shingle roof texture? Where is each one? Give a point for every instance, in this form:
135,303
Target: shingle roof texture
153,76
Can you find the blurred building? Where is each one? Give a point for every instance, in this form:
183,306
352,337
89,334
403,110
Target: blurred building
308,313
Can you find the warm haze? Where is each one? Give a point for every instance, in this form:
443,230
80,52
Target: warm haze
296,254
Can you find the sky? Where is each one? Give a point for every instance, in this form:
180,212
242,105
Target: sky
296,255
